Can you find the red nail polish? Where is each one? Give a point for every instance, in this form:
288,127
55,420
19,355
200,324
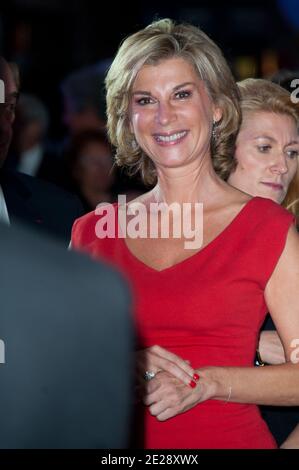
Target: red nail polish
192,384
195,376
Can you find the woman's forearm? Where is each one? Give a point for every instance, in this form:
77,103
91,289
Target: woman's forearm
271,385
271,348
292,441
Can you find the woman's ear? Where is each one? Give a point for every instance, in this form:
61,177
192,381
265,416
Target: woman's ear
217,115
131,127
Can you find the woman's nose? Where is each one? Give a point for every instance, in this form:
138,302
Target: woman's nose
165,114
279,165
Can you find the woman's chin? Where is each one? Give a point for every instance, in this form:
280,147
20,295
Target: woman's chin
278,198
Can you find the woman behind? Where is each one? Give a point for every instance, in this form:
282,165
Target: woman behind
267,151
89,168
172,105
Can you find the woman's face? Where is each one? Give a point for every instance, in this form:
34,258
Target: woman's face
267,150
94,166
171,113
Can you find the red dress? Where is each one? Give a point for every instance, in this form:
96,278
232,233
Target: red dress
209,309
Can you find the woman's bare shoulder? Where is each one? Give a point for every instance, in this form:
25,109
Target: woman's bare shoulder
230,201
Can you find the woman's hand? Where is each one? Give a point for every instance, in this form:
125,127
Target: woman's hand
156,359
270,348
167,397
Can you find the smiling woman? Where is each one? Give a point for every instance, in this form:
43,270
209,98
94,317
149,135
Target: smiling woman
140,58
164,119
172,107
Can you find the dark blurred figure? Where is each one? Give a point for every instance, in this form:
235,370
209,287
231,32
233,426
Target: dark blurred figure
89,166
30,131
35,202
84,98
29,152
85,110
8,108
67,374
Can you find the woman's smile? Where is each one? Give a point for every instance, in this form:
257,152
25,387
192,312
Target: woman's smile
170,139
171,113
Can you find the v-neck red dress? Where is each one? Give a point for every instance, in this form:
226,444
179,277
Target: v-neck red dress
209,309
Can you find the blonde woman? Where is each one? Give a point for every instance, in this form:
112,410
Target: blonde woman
266,159
172,106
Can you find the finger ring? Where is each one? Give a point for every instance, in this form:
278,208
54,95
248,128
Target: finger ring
148,375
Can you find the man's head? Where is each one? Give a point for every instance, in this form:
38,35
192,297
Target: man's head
84,98
7,109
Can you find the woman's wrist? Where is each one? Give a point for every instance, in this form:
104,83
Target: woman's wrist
270,348
214,384
261,347
258,361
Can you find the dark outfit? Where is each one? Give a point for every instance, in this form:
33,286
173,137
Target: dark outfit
50,167
280,419
65,323
40,204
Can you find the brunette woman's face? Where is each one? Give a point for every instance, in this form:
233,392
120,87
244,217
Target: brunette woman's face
267,150
94,166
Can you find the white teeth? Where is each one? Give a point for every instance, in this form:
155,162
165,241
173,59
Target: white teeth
171,138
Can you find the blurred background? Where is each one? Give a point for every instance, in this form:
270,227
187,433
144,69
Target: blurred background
63,49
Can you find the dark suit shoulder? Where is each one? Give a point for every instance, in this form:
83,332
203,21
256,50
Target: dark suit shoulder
29,184
65,325
40,204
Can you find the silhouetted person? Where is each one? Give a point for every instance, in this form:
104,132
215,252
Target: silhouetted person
22,197
65,324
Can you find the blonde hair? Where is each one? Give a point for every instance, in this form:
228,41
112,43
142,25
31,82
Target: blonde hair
259,95
291,201
159,41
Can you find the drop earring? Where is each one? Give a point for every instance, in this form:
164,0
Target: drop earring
214,130
134,144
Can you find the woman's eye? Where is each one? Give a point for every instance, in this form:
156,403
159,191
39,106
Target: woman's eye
292,153
144,100
183,94
264,148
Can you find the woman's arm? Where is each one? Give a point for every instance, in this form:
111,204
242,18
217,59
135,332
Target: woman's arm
292,441
271,348
278,384
272,385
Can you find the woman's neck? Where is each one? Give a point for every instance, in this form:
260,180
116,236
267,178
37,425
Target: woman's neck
197,183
